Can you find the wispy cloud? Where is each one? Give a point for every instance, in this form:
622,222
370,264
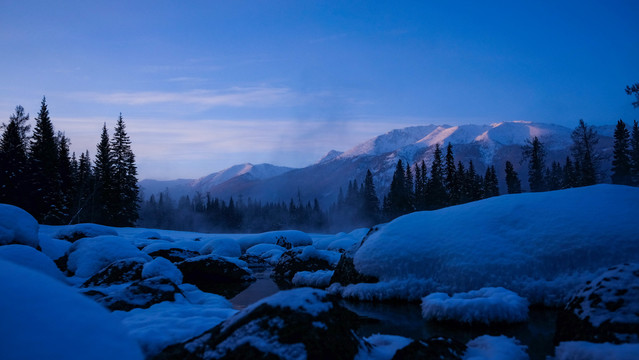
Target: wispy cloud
235,97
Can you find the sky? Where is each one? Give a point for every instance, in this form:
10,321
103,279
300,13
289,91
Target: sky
203,85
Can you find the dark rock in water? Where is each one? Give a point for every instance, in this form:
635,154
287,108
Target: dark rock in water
293,261
175,255
299,323
345,273
604,310
139,294
215,274
433,348
118,272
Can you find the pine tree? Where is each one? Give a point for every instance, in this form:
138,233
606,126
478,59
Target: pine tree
513,184
634,153
555,176
14,161
126,189
419,188
451,181
435,190
570,179
584,150
534,153
371,202
45,177
474,183
491,183
410,188
397,200
104,182
621,165
633,89
66,176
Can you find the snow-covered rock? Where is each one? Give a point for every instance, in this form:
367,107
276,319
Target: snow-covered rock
304,259
511,241
382,347
222,247
216,274
79,231
433,348
317,279
17,226
162,267
486,305
582,350
293,238
118,272
89,255
605,309
31,258
137,294
53,248
174,255
45,319
495,348
294,324
157,245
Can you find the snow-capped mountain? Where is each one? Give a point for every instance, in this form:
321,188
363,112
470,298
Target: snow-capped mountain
485,145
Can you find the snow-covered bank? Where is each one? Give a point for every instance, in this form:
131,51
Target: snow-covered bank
539,245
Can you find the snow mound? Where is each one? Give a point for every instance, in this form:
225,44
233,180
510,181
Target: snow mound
582,350
222,247
17,226
270,253
310,252
156,245
495,348
45,319
317,279
89,255
53,248
79,231
162,267
502,240
32,259
485,305
293,237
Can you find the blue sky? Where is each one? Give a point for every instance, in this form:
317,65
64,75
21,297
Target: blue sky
203,85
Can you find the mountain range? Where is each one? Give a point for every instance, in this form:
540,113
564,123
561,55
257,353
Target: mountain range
485,145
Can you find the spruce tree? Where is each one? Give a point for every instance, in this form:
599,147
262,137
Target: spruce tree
534,153
104,210
435,190
585,140
418,194
513,184
371,202
125,182
491,183
621,165
570,178
45,177
555,176
634,153
474,184
14,164
410,188
633,89
397,200
65,169
451,181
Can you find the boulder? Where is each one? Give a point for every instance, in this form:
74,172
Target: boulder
604,309
216,274
346,274
118,272
174,255
88,256
303,259
433,348
300,323
138,294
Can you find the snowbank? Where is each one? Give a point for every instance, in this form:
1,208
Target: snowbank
45,319
502,240
221,247
162,267
89,255
17,226
317,279
495,348
31,258
79,231
293,237
156,245
485,305
53,248
582,350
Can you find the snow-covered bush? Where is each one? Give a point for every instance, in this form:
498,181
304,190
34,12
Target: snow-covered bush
17,226
89,255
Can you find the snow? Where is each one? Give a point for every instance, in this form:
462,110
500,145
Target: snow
495,348
270,253
156,245
410,289
582,350
169,323
45,319
293,237
221,247
310,252
31,258
485,305
87,231
318,279
308,300
17,226
384,347
505,240
162,267
89,255
53,248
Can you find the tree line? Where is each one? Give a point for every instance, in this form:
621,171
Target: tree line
40,175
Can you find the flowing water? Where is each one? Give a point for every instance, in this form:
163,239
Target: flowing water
405,319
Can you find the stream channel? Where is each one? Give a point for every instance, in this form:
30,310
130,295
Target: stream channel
405,319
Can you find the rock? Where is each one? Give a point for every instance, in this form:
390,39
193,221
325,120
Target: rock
604,310
73,233
90,255
302,259
345,273
118,272
433,348
139,294
300,323
216,274
174,255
